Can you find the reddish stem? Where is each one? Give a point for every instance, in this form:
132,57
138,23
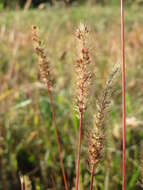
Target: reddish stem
79,147
57,137
123,94
22,186
92,177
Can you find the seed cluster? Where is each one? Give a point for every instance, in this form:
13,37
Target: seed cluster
95,145
96,135
43,60
83,60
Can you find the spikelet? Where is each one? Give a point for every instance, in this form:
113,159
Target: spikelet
96,135
104,102
43,60
81,67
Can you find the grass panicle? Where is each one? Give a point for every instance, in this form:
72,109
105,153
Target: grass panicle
81,67
45,75
96,136
43,59
83,82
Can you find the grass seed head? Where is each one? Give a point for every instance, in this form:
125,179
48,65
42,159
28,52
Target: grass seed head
95,145
82,62
43,60
96,135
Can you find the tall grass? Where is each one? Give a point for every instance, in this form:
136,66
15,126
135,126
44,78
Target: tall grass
35,122
95,136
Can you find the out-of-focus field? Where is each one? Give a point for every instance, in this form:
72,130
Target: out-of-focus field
27,138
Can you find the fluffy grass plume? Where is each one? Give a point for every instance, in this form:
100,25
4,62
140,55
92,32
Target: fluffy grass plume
96,136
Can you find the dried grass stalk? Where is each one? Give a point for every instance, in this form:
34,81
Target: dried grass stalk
46,77
96,136
83,83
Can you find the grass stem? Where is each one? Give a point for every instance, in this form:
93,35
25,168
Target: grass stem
92,177
79,147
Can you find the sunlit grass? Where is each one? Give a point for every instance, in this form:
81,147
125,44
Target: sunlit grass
25,116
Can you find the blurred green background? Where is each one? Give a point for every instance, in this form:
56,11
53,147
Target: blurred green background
35,3
27,137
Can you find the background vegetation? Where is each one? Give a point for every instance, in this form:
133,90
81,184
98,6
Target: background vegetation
27,139
35,3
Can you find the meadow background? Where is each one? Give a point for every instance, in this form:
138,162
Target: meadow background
27,137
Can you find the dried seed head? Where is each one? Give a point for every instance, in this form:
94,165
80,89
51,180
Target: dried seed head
104,101
96,135
95,145
43,60
83,75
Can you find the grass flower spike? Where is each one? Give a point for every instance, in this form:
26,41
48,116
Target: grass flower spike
83,60
45,75
96,135
43,60
83,82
